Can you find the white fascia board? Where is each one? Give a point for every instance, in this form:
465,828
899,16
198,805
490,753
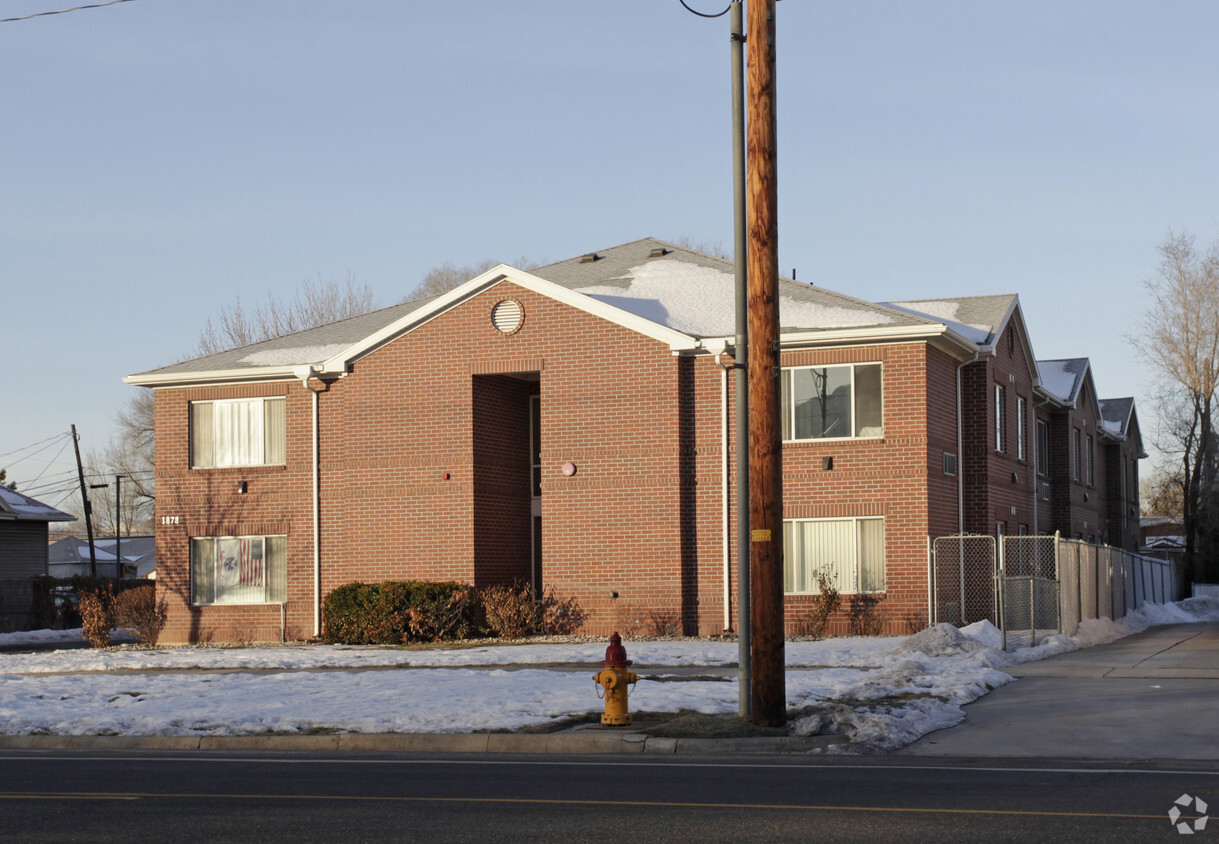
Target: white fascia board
873,334
676,340
250,374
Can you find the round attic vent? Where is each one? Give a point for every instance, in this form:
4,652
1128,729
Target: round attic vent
507,316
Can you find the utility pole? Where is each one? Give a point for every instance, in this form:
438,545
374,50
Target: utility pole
769,696
118,533
84,496
740,354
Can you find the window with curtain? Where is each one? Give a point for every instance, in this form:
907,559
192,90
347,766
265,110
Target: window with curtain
237,432
832,402
238,569
850,551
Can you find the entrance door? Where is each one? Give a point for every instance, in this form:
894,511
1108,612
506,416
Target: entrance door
535,500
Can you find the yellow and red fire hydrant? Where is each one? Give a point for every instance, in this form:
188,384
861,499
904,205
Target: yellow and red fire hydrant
614,678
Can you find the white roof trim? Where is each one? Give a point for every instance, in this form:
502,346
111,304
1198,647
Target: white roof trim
676,340
214,376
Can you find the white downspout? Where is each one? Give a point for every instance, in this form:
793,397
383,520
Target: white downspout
317,522
305,374
718,349
961,452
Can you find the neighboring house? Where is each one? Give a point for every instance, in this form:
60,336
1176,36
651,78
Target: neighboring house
1162,536
23,534
572,426
70,556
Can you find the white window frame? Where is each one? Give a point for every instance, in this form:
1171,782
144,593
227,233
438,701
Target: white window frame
1076,455
788,423
1000,417
1021,429
247,453
853,587
273,575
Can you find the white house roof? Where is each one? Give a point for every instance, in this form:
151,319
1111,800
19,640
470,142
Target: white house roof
15,505
979,319
680,297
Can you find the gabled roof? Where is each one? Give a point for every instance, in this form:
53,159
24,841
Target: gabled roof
1118,419
979,319
72,549
1063,379
17,506
680,297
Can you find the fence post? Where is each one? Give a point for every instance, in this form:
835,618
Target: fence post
1032,612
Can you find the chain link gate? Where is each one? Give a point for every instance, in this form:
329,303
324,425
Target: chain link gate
1029,588
962,579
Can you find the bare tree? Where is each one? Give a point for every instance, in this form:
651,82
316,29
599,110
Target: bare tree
1180,339
446,276
316,303
1161,491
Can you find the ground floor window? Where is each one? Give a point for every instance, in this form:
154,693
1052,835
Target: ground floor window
850,551
238,569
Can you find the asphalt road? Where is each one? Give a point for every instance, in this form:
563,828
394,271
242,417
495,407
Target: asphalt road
344,797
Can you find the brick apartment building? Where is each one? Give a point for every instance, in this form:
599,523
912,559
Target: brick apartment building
571,427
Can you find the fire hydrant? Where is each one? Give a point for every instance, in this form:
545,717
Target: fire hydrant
614,678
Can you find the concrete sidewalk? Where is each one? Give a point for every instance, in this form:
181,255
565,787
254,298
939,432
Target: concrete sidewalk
1152,695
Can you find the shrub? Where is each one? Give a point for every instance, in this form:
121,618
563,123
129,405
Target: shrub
399,611
824,604
97,615
663,621
139,610
511,611
629,619
866,617
561,618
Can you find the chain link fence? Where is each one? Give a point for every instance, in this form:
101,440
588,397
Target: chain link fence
1036,586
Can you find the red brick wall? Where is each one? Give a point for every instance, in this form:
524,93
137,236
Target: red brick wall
421,476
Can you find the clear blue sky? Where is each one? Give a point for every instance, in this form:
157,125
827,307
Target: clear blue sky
164,156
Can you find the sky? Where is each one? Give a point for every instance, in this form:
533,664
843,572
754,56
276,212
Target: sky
881,692
165,157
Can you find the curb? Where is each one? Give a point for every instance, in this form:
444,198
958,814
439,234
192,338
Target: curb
567,742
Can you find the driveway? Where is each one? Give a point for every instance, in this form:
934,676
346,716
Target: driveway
1152,695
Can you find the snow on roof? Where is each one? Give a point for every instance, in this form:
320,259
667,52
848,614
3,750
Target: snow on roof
1061,378
294,354
16,505
945,311
701,301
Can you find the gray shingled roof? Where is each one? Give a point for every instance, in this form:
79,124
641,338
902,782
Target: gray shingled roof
19,506
645,277
681,289
1115,414
979,319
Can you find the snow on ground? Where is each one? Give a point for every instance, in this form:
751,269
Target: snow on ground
882,692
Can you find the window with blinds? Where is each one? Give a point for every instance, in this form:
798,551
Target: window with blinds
850,551
237,432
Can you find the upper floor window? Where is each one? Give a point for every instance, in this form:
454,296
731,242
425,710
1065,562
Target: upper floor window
1076,455
237,432
1000,418
1089,462
1021,429
831,402
1043,447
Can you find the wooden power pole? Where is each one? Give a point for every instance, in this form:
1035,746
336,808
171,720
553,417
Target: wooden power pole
765,435
88,508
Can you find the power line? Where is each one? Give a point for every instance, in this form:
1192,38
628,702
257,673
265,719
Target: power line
63,11
43,443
